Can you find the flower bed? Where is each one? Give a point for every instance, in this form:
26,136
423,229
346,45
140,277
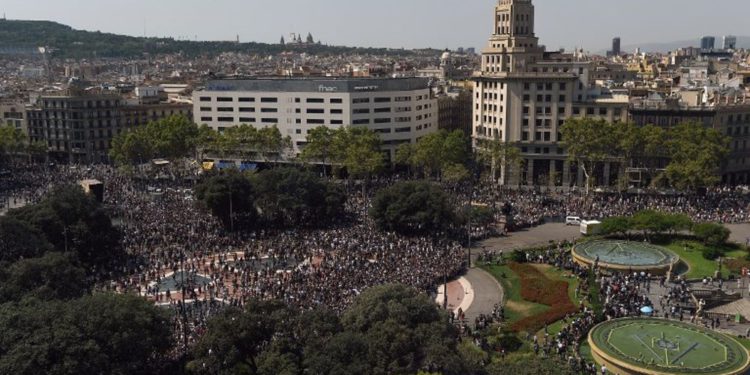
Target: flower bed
537,288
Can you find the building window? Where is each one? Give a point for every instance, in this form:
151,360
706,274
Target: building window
315,100
269,110
316,110
204,109
225,119
382,100
207,118
224,99
361,122
225,109
382,110
269,120
403,130
336,100
247,100
524,136
203,99
365,100
247,120
315,121
337,111
382,120
269,100
337,122
360,111
247,109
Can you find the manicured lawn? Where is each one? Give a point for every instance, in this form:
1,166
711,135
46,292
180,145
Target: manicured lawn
585,351
516,308
664,345
700,267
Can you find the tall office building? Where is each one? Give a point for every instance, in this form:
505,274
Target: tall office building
708,43
729,42
399,110
616,46
523,95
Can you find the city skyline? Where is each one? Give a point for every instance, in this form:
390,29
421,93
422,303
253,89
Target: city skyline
416,24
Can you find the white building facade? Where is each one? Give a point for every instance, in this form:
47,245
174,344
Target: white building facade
400,110
523,95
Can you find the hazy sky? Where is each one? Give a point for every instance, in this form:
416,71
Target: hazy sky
394,23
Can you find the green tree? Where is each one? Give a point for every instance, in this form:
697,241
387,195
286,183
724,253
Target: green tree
19,239
236,339
172,138
696,156
650,222
288,196
12,143
404,332
73,221
230,197
358,149
590,141
495,153
319,145
436,151
50,277
271,144
412,207
616,225
711,234
97,334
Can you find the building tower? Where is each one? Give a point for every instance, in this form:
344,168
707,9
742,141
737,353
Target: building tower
523,95
513,43
708,43
730,42
616,46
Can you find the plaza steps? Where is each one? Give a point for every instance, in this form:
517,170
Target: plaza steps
741,307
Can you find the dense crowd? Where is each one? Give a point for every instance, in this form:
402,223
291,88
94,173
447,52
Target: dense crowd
530,207
182,258
179,252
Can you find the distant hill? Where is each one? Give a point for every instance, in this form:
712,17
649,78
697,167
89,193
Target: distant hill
68,42
742,42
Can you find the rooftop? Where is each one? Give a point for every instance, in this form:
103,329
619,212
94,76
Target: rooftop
318,84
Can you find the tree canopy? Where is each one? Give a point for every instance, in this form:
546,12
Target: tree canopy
71,221
170,138
689,154
412,207
100,333
282,197
435,152
390,329
230,196
290,197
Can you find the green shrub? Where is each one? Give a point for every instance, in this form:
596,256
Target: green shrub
518,256
711,234
711,253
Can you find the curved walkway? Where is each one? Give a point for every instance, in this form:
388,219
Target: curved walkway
487,293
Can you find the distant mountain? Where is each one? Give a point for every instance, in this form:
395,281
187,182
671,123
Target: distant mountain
742,42
67,42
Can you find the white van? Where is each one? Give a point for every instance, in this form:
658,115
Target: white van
572,220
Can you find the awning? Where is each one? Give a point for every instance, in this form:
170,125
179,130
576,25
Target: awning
248,167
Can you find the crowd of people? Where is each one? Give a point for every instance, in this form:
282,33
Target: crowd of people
530,207
181,257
